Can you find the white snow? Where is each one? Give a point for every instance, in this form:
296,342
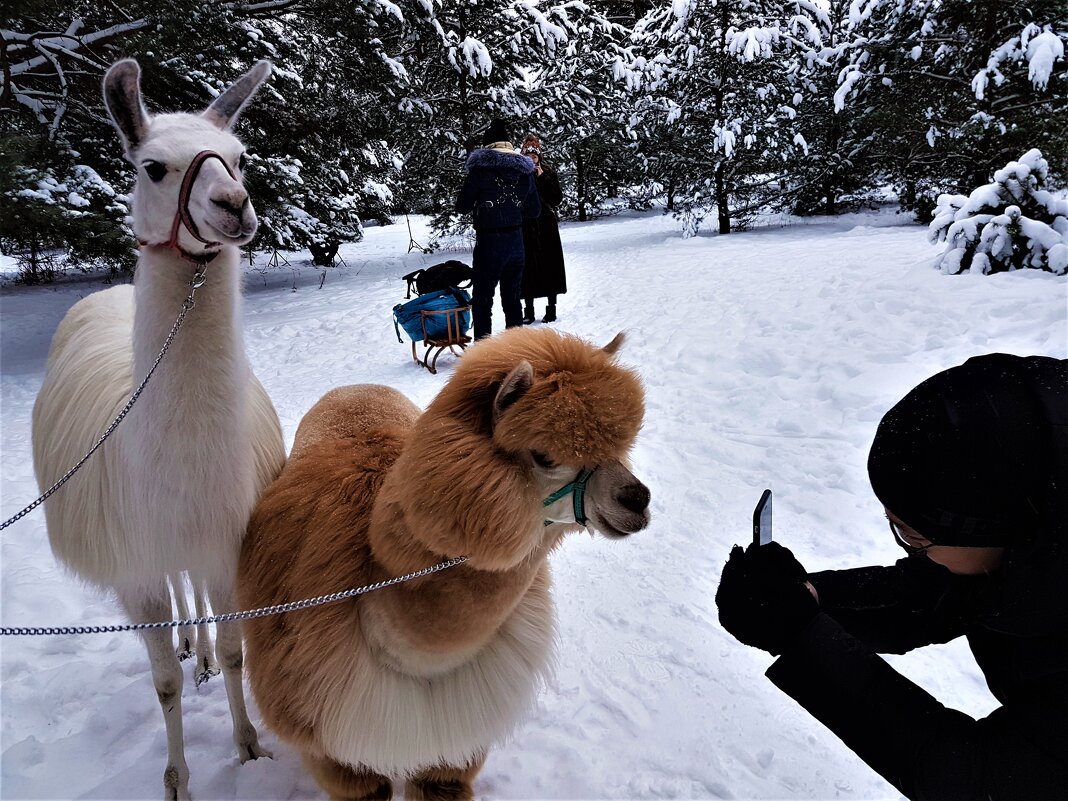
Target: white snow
768,358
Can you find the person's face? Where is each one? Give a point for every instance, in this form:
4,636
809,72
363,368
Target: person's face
957,559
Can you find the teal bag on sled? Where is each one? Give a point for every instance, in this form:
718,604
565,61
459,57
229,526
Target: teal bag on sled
409,316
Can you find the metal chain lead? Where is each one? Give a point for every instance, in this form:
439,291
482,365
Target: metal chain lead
292,606
187,304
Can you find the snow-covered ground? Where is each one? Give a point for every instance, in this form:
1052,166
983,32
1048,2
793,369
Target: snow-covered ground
768,358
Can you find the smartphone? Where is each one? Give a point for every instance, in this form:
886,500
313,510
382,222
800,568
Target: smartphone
762,520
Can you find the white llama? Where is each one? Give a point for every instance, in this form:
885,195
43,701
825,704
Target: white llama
171,491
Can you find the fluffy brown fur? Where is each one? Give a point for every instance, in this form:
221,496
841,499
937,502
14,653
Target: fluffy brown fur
439,668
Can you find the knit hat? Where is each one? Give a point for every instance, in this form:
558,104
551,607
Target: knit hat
496,132
964,458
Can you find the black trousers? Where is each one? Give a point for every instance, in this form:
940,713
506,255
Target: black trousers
498,259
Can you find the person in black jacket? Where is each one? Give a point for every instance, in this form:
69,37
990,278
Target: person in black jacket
498,190
543,271
972,469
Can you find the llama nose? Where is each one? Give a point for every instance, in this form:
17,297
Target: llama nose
634,497
233,203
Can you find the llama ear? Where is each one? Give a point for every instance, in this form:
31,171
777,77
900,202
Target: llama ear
226,108
514,387
617,342
122,96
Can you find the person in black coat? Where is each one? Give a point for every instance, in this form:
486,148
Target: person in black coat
972,469
543,273
498,191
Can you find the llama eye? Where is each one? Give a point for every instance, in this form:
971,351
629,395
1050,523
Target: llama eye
242,162
543,461
155,170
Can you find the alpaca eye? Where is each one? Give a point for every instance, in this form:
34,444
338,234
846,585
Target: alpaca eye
242,162
543,461
155,170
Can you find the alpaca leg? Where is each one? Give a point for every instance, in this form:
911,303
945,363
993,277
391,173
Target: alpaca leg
228,647
343,783
185,633
167,678
445,782
207,666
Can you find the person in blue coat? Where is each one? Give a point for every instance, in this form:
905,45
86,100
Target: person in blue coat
498,191
971,467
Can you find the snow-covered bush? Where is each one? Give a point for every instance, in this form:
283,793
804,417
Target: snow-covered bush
1010,224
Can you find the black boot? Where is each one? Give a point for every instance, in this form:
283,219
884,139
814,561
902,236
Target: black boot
528,313
550,314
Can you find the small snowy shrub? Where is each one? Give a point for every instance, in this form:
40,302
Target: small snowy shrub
1010,224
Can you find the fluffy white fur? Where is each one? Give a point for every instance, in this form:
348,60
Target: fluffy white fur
172,490
443,715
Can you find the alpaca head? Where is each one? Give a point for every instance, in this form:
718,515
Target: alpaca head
524,415
163,149
567,409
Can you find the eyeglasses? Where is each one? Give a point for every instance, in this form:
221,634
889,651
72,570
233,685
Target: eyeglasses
532,150
899,538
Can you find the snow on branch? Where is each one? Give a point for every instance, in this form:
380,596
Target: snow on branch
1041,48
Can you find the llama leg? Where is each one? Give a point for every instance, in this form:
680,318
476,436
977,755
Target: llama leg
207,666
167,678
445,782
228,648
343,783
185,633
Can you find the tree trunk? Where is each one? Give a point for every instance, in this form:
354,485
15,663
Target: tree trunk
580,185
722,200
671,194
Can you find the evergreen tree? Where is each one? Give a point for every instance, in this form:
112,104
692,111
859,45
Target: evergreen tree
468,61
1012,223
718,75
951,89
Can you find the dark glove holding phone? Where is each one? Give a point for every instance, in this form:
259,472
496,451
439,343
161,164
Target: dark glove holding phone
762,597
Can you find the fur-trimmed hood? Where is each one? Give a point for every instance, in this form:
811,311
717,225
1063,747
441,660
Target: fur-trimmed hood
491,157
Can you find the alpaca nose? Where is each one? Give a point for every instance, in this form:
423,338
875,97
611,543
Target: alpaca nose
634,497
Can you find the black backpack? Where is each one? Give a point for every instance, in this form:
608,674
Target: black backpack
450,273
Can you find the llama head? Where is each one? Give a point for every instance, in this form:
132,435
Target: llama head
525,414
163,148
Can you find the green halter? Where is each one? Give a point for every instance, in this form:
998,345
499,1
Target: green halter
578,488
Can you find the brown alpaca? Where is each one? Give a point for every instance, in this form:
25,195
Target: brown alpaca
419,680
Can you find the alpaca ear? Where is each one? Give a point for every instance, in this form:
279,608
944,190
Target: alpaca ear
122,97
514,387
226,108
617,342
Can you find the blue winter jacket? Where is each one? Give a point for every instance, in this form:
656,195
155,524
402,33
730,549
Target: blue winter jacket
498,190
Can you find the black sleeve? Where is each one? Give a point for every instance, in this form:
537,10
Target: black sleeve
894,609
465,201
532,203
549,187
926,750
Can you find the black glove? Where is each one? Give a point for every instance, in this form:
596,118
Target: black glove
762,597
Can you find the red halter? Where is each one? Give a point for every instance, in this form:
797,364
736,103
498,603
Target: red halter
183,215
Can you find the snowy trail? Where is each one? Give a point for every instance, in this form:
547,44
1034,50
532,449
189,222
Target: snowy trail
768,358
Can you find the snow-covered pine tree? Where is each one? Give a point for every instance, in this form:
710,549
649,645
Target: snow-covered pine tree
1012,223
837,167
584,114
951,89
717,74
468,61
